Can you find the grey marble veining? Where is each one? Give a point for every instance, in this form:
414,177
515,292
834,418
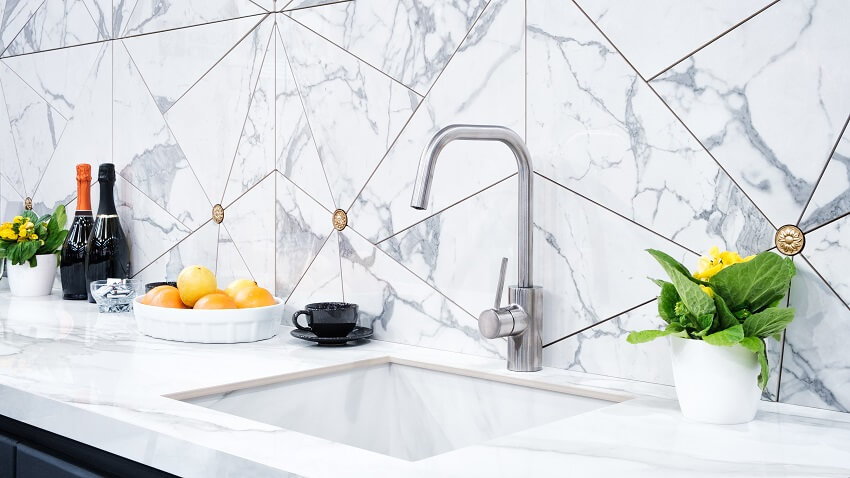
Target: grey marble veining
655,34
597,128
778,101
411,40
828,250
56,24
14,14
147,16
401,307
354,111
831,198
482,84
815,368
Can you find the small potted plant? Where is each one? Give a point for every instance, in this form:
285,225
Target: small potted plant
30,244
718,318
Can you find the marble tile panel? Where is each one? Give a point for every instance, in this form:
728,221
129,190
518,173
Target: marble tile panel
831,198
209,132
482,84
200,247
14,14
404,309
250,222
146,153
411,40
10,168
296,156
150,16
36,127
150,229
322,282
289,5
11,203
56,24
59,76
771,91
354,110
230,263
255,153
603,349
655,34
591,262
302,226
828,251
101,13
597,128
87,137
815,366
191,53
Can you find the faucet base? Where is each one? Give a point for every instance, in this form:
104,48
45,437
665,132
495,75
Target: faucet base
525,351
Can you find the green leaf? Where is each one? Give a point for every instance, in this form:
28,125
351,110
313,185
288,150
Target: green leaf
756,284
667,302
669,263
33,261
59,216
768,322
646,336
29,215
727,337
756,345
15,253
28,250
725,318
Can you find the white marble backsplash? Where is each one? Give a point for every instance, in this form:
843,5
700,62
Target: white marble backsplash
654,126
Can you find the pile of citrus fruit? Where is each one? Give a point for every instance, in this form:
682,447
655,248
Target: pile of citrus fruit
197,289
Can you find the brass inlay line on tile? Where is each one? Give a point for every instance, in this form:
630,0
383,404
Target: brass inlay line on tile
790,240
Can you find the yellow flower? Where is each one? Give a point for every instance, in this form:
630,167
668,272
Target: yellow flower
18,219
716,261
22,232
29,225
33,236
707,290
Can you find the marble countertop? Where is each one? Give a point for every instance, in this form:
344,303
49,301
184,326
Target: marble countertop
92,377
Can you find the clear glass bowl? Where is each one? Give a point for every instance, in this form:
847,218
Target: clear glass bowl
116,295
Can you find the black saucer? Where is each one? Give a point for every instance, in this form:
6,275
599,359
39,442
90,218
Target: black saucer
356,334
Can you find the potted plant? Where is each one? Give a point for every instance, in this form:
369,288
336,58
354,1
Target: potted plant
30,244
717,319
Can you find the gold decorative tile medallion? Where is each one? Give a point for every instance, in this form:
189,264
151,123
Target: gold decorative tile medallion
218,214
790,240
340,219
28,204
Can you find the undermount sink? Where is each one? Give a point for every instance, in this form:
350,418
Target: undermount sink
406,411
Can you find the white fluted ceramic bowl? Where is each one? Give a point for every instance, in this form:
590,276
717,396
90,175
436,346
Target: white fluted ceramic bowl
227,326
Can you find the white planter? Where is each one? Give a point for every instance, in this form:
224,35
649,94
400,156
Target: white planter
26,281
715,384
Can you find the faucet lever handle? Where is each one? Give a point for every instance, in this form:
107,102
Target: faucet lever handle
504,269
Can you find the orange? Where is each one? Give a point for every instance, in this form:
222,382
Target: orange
168,297
147,298
249,297
194,282
238,285
215,301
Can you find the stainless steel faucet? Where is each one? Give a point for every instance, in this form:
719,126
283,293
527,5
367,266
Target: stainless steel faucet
522,320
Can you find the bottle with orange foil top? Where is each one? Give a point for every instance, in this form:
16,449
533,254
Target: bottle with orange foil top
72,261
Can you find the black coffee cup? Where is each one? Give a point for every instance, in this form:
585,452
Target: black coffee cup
328,319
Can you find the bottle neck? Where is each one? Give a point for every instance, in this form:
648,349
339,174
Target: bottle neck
107,200
83,197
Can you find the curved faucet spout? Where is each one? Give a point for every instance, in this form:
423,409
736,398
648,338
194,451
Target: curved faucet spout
428,161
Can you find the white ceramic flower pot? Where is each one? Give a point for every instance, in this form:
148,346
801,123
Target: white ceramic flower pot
26,281
715,384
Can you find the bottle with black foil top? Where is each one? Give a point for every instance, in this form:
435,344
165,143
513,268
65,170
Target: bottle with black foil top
107,252
72,260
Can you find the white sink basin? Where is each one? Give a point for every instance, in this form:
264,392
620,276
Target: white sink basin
405,411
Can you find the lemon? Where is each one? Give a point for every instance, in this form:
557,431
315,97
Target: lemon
195,282
238,285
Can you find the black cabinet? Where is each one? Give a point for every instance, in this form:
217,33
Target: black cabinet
7,456
32,463
30,452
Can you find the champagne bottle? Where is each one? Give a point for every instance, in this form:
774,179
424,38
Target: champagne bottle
107,252
72,260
